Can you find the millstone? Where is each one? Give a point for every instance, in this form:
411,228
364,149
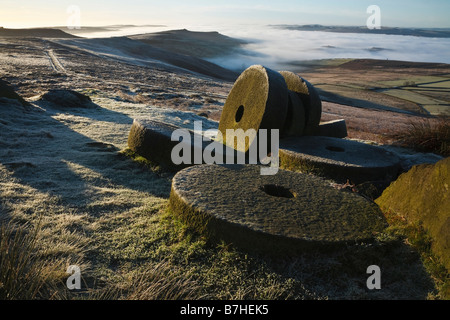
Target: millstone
153,141
257,100
280,213
295,120
310,98
338,159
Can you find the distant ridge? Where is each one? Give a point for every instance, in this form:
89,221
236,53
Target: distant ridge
192,43
92,29
134,51
425,32
35,33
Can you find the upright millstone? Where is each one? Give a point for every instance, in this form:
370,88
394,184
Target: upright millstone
295,120
310,98
258,100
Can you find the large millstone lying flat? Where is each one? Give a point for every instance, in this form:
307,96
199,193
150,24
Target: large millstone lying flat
258,100
280,213
338,159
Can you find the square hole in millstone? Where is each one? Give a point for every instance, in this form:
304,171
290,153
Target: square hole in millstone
277,191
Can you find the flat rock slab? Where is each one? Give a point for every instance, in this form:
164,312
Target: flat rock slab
281,213
338,159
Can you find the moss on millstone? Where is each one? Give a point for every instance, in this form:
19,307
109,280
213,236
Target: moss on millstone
152,141
422,197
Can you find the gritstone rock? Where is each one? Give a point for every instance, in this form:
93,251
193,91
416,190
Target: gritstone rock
278,214
338,159
7,93
310,98
257,100
422,197
63,98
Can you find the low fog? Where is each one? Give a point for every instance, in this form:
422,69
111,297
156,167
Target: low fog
277,48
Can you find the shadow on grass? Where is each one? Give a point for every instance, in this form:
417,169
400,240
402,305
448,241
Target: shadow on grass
51,157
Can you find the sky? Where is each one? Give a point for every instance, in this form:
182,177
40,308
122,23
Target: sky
399,13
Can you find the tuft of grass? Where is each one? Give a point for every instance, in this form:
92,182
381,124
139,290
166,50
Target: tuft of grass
164,281
429,135
24,273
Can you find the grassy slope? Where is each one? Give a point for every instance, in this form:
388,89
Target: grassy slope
98,209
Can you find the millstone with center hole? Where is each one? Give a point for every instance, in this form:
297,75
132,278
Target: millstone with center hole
310,100
280,213
338,159
257,100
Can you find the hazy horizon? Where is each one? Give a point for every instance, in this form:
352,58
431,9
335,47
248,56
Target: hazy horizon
37,13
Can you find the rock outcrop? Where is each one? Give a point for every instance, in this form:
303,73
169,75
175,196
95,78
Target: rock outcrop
422,197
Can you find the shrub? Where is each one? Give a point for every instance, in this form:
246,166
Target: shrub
430,135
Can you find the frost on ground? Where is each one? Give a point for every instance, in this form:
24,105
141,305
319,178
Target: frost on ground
100,210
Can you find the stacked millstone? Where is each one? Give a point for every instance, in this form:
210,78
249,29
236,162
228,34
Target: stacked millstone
285,212
265,99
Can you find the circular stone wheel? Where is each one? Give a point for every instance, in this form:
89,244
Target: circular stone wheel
257,100
277,214
338,159
310,98
295,120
